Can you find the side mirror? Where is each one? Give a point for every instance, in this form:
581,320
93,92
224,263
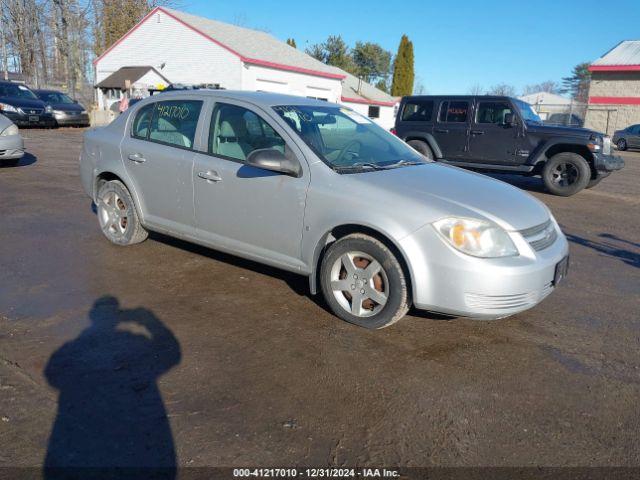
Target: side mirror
274,160
509,119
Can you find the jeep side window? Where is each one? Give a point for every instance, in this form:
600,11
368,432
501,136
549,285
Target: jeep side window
493,112
453,112
417,111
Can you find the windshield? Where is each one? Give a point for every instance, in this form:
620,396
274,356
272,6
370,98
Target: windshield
55,97
344,139
527,112
19,91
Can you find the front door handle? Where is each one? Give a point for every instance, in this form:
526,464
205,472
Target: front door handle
137,158
477,132
210,176
440,130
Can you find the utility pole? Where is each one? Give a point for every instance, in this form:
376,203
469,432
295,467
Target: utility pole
5,62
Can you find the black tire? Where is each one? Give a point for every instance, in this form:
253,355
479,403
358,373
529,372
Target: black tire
9,163
566,173
397,295
622,145
124,228
421,147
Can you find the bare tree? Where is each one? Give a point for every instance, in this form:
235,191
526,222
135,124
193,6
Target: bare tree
549,86
502,89
476,89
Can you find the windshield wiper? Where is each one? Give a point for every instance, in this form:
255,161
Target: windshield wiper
359,166
403,162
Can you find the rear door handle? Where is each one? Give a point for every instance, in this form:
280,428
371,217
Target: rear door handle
210,176
136,157
477,132
440,130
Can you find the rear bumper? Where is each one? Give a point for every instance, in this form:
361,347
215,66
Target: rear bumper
447,281
606,164
11,147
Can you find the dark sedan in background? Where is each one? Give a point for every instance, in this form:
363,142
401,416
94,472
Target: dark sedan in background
20,105
627,138
66,111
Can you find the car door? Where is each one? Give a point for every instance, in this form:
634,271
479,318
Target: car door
633,139
158,155
451,129
244,209
492,139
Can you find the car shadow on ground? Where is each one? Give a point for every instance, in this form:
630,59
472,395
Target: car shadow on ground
298,283
27,159
111,420
531,184
612,246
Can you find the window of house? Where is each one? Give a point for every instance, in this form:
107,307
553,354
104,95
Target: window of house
453,112
374,111
235,132
174,122
418,111
492,112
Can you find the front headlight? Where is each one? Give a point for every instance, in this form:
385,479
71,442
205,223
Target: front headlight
10,130
595,143
48,109
476,237
5,107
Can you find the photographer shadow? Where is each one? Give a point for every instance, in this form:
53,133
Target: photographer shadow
111,420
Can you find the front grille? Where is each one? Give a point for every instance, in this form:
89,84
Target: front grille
33,111
541,236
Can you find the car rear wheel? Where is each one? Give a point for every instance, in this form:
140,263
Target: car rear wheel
363,282
566,173
421,147
622,144
118,216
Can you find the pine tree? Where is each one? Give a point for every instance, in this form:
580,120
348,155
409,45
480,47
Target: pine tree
403,75
291,42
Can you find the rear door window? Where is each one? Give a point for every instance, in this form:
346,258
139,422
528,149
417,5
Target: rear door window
143,121
453,112
174,122
417,111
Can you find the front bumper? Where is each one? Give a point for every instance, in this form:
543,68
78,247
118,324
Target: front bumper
24,120
606,164
450,282
68,119
11,147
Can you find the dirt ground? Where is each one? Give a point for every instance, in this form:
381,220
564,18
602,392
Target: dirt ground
180,355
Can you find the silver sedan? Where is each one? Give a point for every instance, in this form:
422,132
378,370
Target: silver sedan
11,143
320,190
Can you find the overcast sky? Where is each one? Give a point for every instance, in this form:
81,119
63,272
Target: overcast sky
457,43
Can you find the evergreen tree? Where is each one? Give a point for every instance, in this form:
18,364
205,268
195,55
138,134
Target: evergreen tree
291,42
578,83
403,74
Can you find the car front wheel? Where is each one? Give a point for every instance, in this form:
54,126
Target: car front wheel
422,148
117,214
363,282
622,144
566,173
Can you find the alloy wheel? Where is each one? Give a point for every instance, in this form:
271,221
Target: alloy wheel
565,174
113,214
359,283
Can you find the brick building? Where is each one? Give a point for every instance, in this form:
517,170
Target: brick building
614,93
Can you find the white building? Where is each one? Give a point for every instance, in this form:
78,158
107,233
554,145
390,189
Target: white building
187,49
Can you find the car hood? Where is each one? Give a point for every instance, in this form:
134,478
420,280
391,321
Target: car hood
447,190
67,107
561,131
22,102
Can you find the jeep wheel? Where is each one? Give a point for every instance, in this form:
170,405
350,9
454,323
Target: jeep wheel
421,147
622,144
566,173
118,216
363,282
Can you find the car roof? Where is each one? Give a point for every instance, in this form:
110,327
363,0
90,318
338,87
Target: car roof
266,99
40,90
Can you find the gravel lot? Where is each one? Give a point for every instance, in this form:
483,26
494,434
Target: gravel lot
211,360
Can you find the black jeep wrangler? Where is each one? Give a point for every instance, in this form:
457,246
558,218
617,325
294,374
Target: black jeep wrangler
504,134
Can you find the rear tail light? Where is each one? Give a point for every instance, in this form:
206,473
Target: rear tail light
393,130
